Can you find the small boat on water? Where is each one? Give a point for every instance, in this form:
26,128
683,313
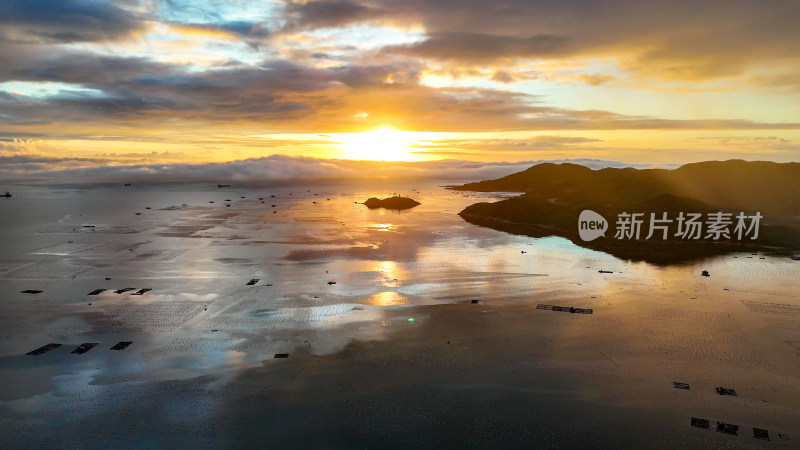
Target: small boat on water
223,185
7,195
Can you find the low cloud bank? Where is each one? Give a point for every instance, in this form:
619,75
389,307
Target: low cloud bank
269,170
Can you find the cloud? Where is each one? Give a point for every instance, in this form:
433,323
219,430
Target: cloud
477,47
294,98
502,76
18,147
32,167
325,14
533,144
787,81
65,21
705,39
139,88
267,170
272,71
755,145
81,67
595,79
253,33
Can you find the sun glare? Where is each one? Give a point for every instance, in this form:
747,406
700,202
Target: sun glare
383,144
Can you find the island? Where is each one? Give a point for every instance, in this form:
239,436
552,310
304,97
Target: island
396,202
554,195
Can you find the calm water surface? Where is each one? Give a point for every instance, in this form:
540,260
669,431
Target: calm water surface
374,309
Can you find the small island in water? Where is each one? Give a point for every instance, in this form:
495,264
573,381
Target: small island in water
396,202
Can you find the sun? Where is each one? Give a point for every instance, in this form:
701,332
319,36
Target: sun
383,144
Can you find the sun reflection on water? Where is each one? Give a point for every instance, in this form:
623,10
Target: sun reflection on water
388,298
382,226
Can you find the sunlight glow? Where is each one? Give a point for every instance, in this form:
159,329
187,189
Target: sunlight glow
383,144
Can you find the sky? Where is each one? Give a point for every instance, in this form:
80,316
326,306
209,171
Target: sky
162,85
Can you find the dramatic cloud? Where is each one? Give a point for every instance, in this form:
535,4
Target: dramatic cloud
64,21
702,39
220,80
324,14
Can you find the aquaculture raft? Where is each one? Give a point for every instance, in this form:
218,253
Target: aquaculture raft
568,309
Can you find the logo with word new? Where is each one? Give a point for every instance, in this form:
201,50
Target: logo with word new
688,226
591,225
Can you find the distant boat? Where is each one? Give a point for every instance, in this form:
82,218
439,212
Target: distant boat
7,195
223,185
705,273
127,184
604,271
